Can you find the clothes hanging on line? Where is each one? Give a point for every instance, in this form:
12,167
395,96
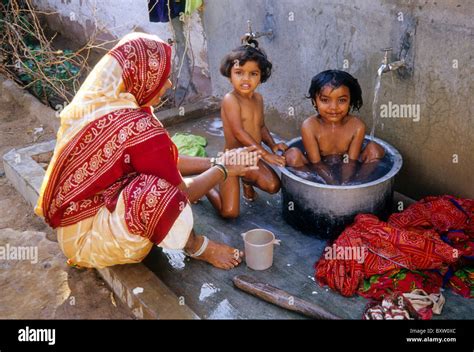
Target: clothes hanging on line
191,6
162,10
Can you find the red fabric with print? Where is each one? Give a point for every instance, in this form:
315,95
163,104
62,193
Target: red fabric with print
388,248
125,151
447,215
146,66
400,280
108,156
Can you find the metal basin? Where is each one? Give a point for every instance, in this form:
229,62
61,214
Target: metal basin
325,210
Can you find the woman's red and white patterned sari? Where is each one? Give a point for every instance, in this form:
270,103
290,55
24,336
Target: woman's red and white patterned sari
110,146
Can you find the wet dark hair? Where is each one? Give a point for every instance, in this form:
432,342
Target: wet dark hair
335,79
246,53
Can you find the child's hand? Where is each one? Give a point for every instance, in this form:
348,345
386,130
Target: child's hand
274,159
280,146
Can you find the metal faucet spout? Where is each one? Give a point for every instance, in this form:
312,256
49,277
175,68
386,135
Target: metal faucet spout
396,65
389,67
250,36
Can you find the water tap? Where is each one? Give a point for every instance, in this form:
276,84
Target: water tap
392,66
250,36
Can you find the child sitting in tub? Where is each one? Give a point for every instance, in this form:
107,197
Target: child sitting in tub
246,67
334,134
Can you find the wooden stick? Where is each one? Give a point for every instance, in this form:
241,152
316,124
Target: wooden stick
282,298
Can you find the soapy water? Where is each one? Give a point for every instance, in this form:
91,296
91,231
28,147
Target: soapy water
224,310
332,170
176,258
215,127
207,290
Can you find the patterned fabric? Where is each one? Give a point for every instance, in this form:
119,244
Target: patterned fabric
450,217
462,282
400,280
417,304
152,205
104,240
453,219
102,93
100,162
391,308
120,150
388,248
425,304
146,65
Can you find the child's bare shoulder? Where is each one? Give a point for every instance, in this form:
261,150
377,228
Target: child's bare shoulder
258,97
311,123
230,100
356,122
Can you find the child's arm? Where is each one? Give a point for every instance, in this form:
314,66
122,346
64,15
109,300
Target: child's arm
357,140
267,136
268,140
310,142
349,167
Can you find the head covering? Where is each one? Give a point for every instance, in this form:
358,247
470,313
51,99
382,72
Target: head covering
128,77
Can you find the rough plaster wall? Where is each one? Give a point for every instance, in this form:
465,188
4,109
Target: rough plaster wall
326,33
77,19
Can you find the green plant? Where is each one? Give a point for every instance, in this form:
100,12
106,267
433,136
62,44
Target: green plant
27,55
42,75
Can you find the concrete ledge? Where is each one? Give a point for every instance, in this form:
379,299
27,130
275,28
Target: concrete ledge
156,301
11,92
24,173
189,112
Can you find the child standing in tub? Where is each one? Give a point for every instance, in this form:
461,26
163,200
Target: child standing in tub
334,134
243,120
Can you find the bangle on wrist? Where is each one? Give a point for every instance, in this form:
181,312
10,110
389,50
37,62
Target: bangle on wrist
222,169
215,161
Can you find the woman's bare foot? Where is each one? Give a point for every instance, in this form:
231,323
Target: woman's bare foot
217,254
249,193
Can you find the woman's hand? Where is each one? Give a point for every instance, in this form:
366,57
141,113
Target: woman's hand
237,162
240,161
279,147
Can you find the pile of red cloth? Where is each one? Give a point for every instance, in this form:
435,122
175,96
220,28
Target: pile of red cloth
435,233
379,287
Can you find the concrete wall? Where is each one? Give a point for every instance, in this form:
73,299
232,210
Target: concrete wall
76,21
313,35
